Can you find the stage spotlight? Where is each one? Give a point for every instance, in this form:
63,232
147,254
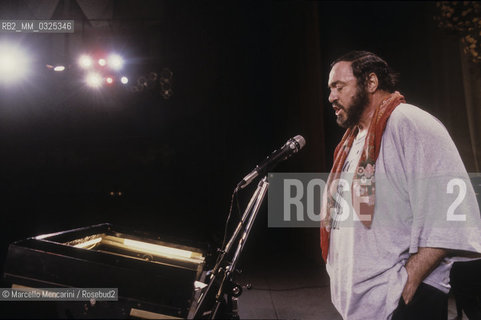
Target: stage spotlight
124,80
13,63
59,68
109,80
115,61
93,80
85,61
102,62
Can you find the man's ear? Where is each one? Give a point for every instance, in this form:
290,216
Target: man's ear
372,82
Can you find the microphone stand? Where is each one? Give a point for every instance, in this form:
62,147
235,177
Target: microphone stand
221,283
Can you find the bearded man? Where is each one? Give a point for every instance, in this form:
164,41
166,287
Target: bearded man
399,207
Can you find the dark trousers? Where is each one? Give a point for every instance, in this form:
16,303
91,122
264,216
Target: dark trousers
428,303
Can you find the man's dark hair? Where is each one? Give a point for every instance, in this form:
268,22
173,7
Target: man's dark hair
364,63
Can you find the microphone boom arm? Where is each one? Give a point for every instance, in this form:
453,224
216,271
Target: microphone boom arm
223,269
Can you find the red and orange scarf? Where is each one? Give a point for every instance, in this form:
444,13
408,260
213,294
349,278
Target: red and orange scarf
363,186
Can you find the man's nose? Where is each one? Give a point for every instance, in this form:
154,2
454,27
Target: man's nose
332,96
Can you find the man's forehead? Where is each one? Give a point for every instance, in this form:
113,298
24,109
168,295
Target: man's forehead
341,72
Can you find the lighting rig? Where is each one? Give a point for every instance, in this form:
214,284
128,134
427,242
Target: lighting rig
98,71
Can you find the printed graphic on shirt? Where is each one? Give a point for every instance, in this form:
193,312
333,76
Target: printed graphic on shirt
343,206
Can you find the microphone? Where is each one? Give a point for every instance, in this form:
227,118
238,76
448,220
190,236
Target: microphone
292,146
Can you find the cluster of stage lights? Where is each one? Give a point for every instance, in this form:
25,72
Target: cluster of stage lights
100,70
96,68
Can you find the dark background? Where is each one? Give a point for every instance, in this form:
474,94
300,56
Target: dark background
247,76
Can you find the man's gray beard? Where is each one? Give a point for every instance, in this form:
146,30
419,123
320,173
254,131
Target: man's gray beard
354,113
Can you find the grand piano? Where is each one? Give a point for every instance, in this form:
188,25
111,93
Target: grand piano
155,278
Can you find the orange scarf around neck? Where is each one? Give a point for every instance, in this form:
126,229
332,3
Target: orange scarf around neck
363,184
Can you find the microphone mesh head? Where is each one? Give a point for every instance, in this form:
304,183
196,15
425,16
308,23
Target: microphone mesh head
300,140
